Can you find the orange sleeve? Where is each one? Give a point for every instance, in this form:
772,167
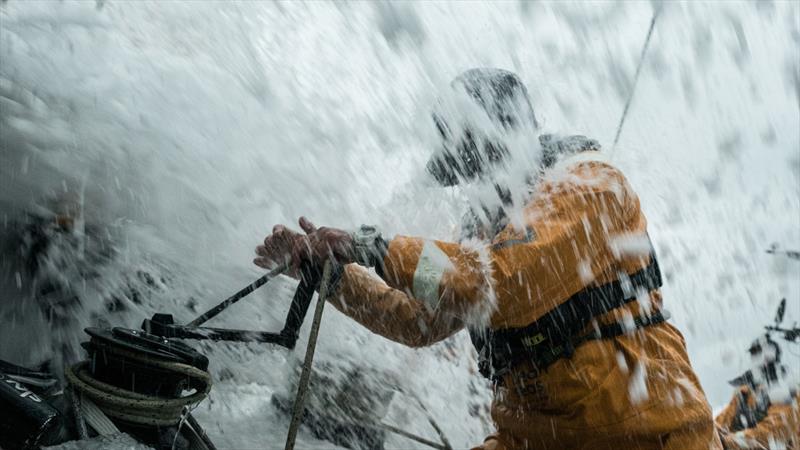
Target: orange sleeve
389,312
724,419
522,275
780,426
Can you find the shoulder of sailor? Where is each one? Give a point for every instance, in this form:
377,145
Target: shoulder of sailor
578,167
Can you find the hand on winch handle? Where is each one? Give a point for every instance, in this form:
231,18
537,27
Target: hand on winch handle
315,247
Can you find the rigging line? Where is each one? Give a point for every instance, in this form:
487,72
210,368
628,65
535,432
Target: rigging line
305,374
646,45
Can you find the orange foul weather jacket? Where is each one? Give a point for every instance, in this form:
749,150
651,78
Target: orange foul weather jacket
583,227
778,424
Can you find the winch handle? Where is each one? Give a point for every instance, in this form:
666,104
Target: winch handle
213,312
310,278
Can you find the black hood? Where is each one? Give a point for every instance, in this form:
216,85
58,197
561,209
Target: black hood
466,153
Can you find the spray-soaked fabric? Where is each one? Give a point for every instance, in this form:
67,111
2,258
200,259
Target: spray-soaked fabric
582,227
749,424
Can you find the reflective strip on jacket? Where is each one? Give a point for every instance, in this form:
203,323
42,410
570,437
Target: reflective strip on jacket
583,227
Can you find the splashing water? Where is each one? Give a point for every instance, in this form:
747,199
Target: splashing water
184,130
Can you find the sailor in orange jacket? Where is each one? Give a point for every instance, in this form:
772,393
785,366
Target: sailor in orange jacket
764,412
560,296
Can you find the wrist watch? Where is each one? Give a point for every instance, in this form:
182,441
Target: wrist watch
369,245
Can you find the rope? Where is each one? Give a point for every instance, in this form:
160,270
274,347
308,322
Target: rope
445,443
302,388
134,407
636,77
80,424
412,436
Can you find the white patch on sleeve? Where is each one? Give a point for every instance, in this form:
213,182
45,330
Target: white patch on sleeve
428,276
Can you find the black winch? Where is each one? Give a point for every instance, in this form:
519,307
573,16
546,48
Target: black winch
146,383
142,384
124,358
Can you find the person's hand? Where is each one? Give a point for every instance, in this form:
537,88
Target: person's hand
285,246
278,248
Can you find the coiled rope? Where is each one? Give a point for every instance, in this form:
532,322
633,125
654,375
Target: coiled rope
136,408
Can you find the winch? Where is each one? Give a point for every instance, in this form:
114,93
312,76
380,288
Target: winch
146,382
146,385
